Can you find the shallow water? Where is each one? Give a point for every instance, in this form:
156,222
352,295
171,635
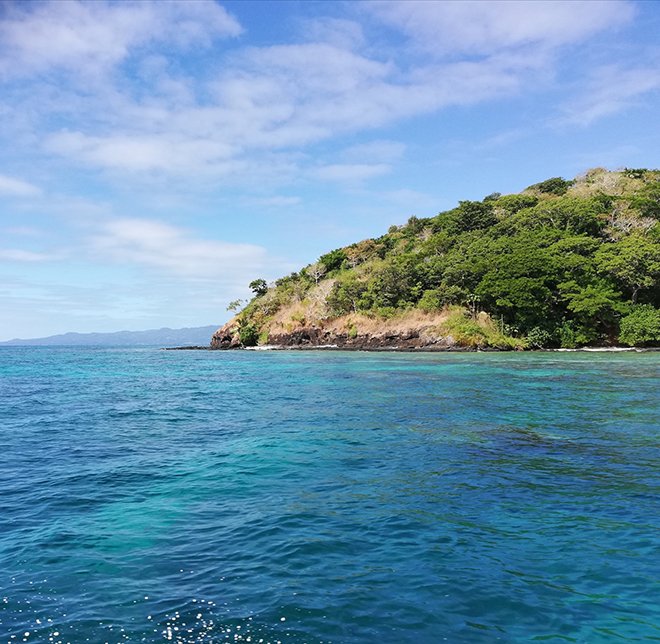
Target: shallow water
328,497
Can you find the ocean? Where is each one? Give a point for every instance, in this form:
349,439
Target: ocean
195,496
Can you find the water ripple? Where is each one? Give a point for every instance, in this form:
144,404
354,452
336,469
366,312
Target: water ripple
151,496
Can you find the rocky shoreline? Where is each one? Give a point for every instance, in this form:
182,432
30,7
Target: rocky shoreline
314,338
420,337
317,338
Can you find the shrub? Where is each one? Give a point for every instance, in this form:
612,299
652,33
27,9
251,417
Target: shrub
430,301
385,312
437,298
573,335
248,334
513,203
414,226
333,260
647,201
482,332
555,186
345,295
469,215
635,173
641,327
539,338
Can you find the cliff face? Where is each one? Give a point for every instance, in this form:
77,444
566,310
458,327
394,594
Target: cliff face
562,264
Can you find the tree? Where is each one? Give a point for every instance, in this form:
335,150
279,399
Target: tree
577,215
248,333
345,295
259,287
414,226
511,204
555,186
518,278
593,306
395,282
358,253
470,215
333,260
234,305
647,201
437,298
634,262
641,327
317,271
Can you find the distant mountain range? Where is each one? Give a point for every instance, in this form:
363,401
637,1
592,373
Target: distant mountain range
198,336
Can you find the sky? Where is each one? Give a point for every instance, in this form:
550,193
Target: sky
157,157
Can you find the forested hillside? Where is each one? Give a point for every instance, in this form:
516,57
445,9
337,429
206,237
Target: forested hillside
562,264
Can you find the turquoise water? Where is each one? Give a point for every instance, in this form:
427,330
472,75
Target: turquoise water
150,496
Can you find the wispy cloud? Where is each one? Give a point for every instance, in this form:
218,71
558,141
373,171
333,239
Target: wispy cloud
340,32
350,172
128,110
271,100
611,89
19,255
276,201
12,187
23,231
86,36
165,152
468,26
379,151
173,250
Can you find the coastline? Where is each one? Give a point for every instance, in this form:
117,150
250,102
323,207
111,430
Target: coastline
423,349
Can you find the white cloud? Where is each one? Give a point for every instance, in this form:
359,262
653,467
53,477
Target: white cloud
18,255
171,249
277,201
156,152
468,26
85,36
269,99
23,231
350,173
380,151
251,110
611,89
13,187
407,198
334,31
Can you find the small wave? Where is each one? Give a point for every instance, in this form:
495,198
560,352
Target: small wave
264,347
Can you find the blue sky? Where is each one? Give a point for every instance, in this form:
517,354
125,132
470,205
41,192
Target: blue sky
157,157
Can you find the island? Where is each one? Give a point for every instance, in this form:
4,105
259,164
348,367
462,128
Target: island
563,264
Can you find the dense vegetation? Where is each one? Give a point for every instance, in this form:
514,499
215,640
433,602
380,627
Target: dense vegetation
562,264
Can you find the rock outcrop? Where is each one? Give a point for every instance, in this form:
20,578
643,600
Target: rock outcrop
311,337
226,337
407,334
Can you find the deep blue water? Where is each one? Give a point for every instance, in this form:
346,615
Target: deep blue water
338,497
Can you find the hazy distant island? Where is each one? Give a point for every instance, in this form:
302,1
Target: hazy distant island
563,264
161,337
